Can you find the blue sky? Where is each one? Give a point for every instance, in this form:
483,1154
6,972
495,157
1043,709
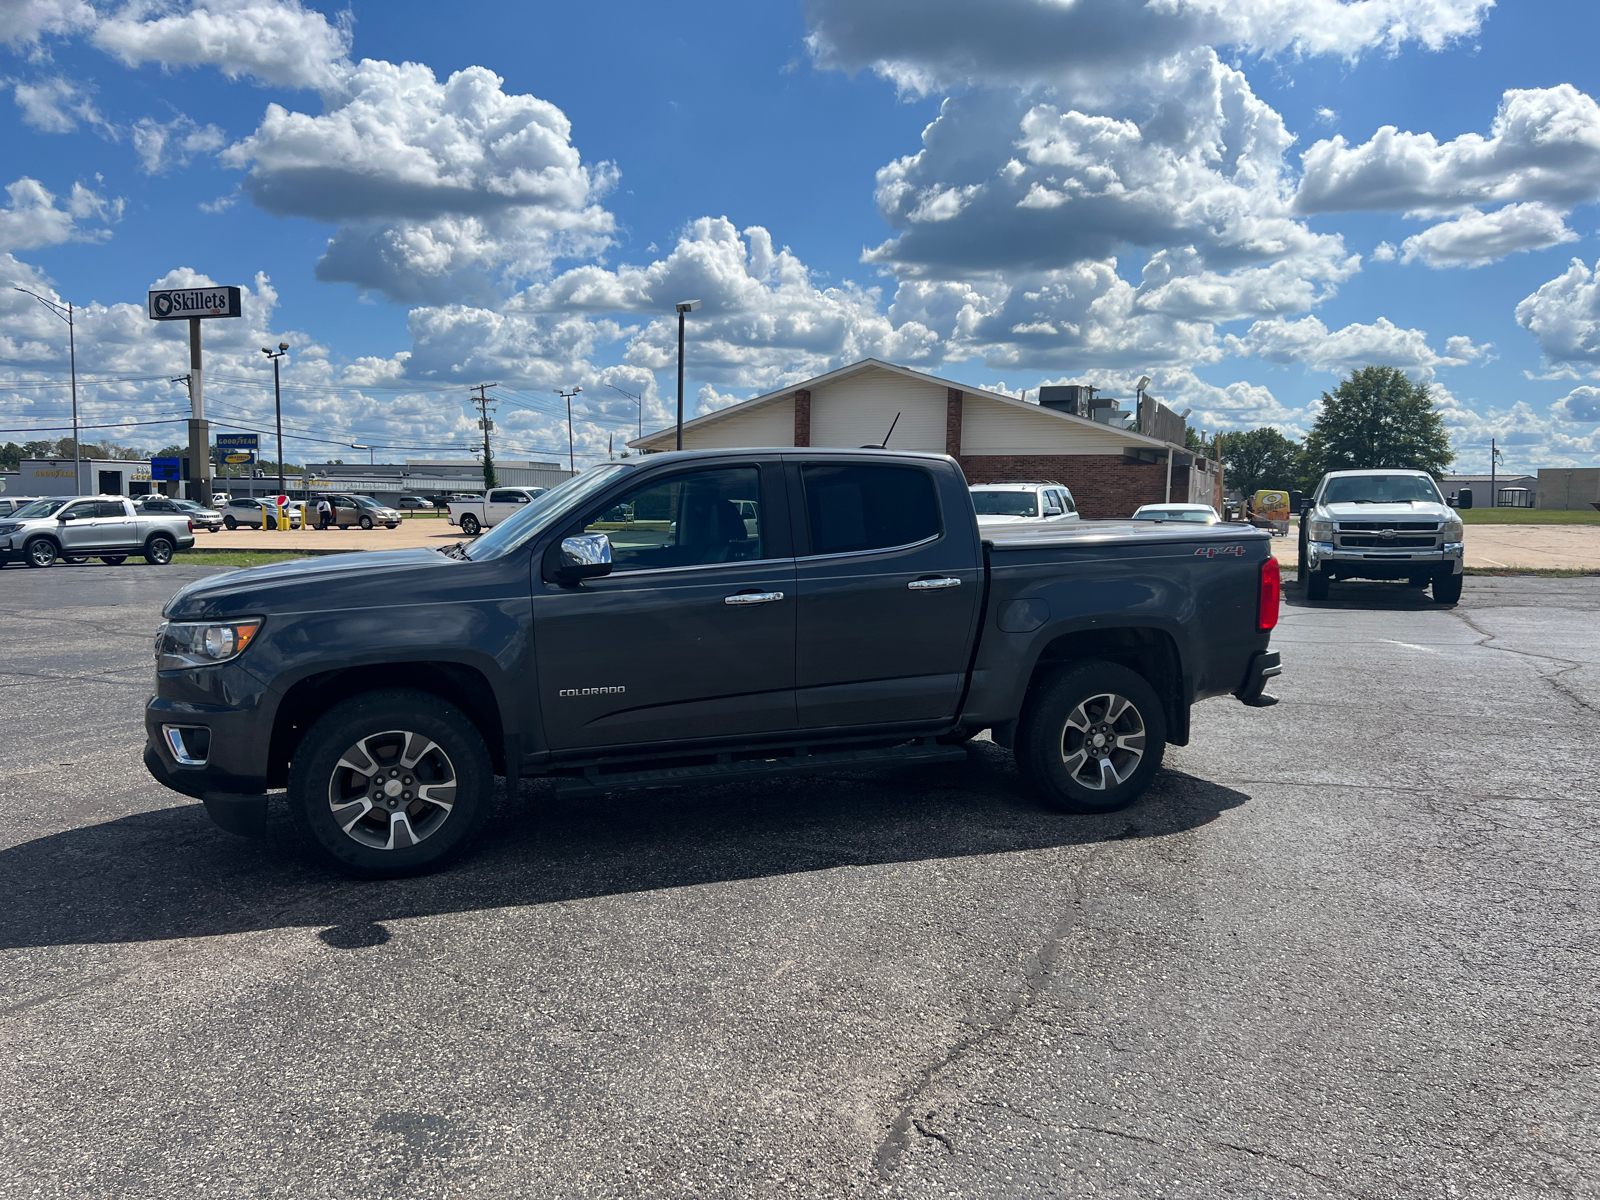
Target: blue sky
1008,194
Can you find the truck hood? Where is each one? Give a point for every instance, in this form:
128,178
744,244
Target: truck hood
332,581
1409,510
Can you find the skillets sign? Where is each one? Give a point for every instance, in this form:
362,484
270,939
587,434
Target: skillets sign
179,304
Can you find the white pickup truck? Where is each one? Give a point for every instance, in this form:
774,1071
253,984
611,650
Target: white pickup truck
478,513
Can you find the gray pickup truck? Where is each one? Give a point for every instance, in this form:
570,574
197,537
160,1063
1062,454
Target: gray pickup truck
109,528
702,616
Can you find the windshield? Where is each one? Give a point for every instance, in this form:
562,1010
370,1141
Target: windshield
39,508
367,502
1199,516
1380,489
526,522
1005,504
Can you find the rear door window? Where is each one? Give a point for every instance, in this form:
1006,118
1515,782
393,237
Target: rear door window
853,508
110,508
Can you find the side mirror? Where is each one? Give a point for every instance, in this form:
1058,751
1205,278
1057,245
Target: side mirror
586,556
1052,512
63,517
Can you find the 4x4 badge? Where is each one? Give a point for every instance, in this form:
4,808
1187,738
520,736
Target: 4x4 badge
1212,551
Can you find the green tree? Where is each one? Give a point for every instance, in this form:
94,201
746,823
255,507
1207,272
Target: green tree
1378,418
10,456
489,478
1260,458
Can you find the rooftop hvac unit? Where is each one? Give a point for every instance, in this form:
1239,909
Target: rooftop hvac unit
1073,398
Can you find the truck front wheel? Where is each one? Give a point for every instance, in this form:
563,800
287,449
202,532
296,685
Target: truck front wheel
469,525
1092,738
1446,588
391,783
1317,585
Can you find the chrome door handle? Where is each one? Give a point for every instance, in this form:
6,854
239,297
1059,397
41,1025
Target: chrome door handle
754,598
933,585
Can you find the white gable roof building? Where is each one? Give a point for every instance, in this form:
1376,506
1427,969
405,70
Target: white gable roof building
1110,470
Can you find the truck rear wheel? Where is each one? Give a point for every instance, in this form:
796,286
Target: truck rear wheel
1092,738
469,525
391,783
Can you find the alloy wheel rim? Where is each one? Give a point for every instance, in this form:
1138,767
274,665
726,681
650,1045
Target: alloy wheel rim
1103,741
392,790
42,554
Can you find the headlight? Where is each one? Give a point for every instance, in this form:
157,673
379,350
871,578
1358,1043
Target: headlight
182,644
11,527
1453,530
1321,529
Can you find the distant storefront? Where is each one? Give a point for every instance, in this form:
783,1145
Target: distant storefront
95,477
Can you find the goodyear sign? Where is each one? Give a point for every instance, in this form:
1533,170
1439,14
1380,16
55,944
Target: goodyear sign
238,441
178,304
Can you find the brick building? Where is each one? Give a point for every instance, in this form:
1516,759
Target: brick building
1110,469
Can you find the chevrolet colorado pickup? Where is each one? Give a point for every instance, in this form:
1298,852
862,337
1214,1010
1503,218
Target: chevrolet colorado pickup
702,616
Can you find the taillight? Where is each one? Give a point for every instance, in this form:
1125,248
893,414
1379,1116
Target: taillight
1271,594
191,524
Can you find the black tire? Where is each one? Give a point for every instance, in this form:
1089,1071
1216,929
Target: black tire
386,722
113,560
469,525
1301,571
1446,588
158,551
1317,585
1054,748
41,552
366,522
230,523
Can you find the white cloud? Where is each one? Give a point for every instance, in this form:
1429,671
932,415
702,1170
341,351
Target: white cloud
1385,252
164,145
927,45
33,219
24,22
442,190
1564,316
1476,239
1544,146
55,105
275,41
1580,406
1309,341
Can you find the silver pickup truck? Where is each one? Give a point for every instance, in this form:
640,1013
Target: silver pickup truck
109,528
1380,525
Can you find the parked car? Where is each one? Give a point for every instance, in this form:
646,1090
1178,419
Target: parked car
109,528
411,503
1381,525
1022,502
199,516
254,514
478,513
1199,514
862,622
10,504
220,499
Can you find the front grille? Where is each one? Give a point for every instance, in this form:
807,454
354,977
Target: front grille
1382,543
1397,526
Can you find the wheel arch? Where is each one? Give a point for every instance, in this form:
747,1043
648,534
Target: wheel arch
309,698
1149,651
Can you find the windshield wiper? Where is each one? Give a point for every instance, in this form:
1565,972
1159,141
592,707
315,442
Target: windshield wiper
456,550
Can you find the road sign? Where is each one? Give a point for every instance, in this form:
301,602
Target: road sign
162,469
239,441
179,304
239,458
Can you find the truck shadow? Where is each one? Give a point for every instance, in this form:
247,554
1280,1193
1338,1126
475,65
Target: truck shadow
1364,594
171,874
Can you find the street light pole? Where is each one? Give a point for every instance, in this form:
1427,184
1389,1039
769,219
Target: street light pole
277,403
72,358
567,396
687,306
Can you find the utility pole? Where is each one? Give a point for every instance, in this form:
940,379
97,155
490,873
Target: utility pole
72,353
567,396
486,424
1494,457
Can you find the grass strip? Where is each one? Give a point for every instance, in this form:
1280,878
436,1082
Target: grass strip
1541,572
1531,516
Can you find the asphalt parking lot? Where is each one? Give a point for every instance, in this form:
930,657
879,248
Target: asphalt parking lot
1347,947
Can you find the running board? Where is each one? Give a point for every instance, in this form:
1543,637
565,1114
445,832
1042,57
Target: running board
595,782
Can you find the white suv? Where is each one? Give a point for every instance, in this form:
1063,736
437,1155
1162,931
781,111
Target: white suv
1024,502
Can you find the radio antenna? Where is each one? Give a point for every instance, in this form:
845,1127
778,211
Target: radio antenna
885,443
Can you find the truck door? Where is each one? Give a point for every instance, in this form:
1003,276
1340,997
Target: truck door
117,528
502,505
77,525
692,634
888,588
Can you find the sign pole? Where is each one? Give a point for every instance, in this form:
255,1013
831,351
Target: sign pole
199,429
